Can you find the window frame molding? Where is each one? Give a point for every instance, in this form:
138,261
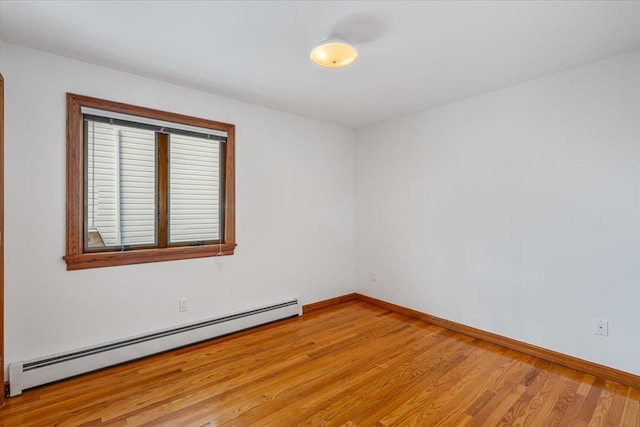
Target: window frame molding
76,258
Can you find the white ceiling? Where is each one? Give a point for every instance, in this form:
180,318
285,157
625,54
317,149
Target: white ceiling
413,55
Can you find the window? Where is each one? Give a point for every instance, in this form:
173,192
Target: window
145,185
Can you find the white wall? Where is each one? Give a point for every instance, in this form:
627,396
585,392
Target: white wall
516,212
295,214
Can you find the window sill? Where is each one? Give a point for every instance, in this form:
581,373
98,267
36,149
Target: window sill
140,256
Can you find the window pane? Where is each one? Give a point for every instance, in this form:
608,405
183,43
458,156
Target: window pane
194,189
120,186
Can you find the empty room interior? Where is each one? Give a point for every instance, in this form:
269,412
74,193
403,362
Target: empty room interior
349,213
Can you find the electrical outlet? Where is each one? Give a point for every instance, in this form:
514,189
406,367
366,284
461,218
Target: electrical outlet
183,304
373,277
602,327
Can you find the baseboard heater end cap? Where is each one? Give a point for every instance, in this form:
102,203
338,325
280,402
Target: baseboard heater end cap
15,373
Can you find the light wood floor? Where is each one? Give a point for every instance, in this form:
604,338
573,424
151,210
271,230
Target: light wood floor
354,365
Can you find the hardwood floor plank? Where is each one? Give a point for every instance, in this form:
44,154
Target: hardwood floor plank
631,407
592,400
350,364
540,409
314,389
439,395
601,410
390,390
389,374
614,415
503,402
565,399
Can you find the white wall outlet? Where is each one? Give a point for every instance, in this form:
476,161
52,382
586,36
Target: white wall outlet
373,277
183,304
602,327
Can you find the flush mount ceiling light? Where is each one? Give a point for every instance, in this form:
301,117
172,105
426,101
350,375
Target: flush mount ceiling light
334,53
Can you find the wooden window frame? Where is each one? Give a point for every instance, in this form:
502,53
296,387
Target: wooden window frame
76,258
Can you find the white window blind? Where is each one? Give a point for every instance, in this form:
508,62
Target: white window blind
102,185
137,186
194,189
121,183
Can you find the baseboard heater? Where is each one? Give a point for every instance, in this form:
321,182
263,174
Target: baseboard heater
27,374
